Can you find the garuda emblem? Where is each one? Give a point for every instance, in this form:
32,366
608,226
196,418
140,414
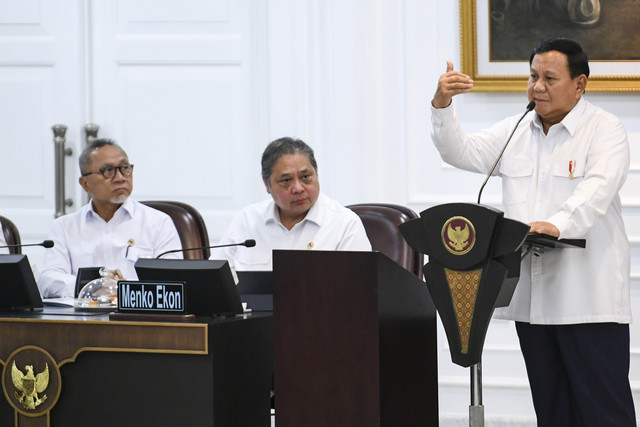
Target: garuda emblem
30,385
458,235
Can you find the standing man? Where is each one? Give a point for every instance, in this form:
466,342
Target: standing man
297,216
561,174
111,230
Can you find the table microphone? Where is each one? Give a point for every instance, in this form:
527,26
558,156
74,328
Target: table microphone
530,107
248,243
46,244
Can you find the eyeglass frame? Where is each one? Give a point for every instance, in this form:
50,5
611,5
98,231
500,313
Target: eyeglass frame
103,170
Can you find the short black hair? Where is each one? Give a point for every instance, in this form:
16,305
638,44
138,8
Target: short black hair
85,157
576,56
280,147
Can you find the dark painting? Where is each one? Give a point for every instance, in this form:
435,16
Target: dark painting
608,30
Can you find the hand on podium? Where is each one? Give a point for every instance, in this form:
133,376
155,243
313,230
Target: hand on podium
541,227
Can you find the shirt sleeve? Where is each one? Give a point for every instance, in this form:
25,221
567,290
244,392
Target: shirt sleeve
605,173
472,152
355,236
168,239
230,236
3,242
56,278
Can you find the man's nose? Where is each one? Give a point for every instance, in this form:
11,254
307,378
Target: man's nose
297,186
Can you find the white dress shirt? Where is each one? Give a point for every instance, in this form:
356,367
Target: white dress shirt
3,242
327,226
84,239
571,178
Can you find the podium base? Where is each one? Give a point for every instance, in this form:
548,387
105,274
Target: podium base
476,416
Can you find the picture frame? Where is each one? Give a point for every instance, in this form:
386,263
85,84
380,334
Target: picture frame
619,75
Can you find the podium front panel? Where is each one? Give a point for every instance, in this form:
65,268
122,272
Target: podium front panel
355,341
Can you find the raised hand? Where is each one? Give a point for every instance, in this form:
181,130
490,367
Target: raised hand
451,83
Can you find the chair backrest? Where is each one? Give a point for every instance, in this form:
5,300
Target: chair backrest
191,227
11,235
381,223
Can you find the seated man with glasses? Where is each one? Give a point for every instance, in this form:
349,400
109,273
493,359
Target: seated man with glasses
110,231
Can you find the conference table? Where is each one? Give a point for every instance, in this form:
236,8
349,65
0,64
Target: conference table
214,371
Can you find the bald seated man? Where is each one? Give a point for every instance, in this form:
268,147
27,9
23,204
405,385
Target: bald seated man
111,231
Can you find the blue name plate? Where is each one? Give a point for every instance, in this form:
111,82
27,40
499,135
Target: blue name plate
151,297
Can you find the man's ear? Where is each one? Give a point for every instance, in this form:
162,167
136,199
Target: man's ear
83,182
581,83
266,185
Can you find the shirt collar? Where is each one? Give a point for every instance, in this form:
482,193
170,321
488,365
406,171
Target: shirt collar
572,118
314,215
127,208
570,121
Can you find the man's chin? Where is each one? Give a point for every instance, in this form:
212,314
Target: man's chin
119,200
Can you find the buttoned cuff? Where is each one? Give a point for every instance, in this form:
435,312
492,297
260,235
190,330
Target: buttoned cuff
563,223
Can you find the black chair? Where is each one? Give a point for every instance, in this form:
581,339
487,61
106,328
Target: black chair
381,223
11,235
190,224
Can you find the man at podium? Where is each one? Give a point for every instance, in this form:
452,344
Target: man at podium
297,216
562,174
111,230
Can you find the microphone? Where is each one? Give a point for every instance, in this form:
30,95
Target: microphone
249,243
46,244
530,107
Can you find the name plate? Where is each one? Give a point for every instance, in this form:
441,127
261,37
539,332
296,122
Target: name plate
151,297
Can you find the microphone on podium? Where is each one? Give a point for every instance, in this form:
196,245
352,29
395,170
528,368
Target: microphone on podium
530,107
249,243
46,244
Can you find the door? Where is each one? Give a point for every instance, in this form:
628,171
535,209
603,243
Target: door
172,82
42,78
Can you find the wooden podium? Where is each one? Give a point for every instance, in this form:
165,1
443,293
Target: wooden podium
355,342
212,372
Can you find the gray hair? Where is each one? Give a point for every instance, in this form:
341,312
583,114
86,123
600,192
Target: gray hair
279,148
85,157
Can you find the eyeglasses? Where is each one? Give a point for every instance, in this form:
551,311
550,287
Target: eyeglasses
110,171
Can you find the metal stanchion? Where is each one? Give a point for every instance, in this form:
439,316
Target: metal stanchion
476,410
60,140
90,132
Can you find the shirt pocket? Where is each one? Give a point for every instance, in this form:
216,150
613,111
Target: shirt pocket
132,253
516,175
253,259
567,174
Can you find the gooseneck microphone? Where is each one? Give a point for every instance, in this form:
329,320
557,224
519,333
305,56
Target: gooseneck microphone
46,244
249,243
530,107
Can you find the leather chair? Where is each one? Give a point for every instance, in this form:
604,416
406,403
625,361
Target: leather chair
191,227
381,223
11,235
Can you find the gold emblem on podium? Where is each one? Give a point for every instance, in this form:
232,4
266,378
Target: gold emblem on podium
27,374
29,386
458,235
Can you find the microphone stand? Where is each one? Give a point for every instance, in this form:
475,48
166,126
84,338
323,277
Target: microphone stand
45,244
530,107
476,409
248,243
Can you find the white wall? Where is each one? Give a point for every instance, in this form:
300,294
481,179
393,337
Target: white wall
354,79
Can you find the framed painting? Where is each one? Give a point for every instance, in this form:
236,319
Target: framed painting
497,37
